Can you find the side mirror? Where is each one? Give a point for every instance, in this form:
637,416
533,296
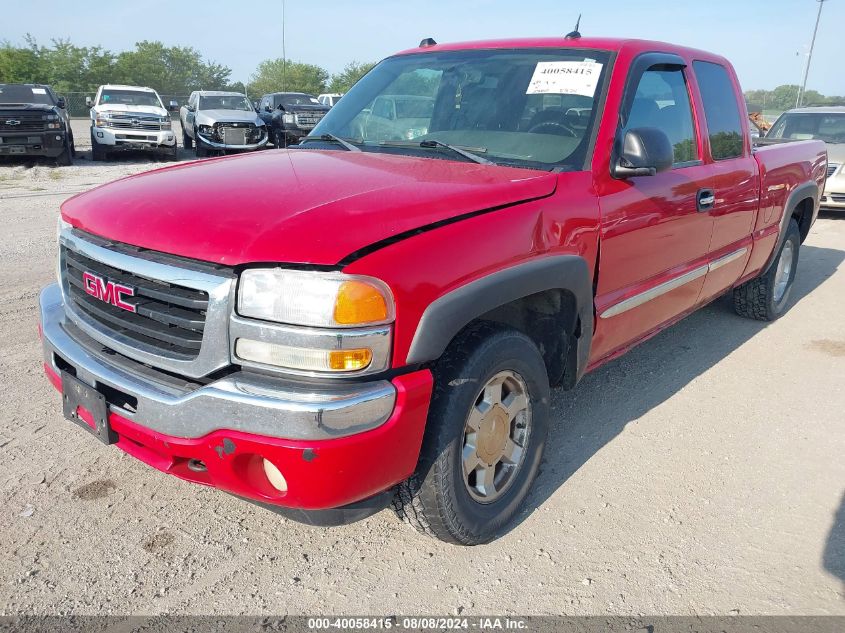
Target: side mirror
173,106
89,102
189,108
61,103
643,151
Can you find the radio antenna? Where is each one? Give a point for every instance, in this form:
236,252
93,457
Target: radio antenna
575,35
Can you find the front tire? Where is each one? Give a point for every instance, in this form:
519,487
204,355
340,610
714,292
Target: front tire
64,159
187,141
98,153
484,438
199,149
765,298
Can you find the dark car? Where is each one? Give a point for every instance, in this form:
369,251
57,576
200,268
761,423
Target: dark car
290,116
34,122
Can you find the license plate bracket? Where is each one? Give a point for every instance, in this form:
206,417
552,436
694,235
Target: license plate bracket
17,149
76,394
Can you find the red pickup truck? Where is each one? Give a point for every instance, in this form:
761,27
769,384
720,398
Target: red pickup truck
377,315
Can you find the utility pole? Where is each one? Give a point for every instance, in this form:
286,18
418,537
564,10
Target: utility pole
803,87
285,55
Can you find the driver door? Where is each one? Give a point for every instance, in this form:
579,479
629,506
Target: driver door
655,230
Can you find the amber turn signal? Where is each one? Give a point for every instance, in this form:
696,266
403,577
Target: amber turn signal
359,303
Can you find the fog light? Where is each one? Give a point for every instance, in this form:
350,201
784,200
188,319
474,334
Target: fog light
275,477
99,135
301,358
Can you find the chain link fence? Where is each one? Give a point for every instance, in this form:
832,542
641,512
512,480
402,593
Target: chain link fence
78,109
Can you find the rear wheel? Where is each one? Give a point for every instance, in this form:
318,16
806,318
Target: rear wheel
765,298
484,438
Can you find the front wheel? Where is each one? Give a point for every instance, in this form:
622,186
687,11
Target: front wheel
484,438
765,298
187,141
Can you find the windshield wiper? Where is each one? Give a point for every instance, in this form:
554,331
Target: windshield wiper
466,152
331,138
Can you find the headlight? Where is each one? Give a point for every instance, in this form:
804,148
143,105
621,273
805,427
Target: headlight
166,124
314,299
101,121
207,130
54,126
288,119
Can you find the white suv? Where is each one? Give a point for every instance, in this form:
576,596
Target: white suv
130,118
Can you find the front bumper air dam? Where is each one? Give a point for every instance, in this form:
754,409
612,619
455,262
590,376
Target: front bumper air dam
344,475
49,143
133,139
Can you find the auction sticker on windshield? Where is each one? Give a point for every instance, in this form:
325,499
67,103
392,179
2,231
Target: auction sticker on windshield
565,78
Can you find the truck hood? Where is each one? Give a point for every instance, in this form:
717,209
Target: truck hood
29,107
122,107
835,152
294,206
210,117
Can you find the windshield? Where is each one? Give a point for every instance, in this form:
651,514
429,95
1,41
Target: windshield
225,102
295,100
829,128
529,108
25,94
129,97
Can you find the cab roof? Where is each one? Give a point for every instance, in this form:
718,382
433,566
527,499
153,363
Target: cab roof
598,43
124,87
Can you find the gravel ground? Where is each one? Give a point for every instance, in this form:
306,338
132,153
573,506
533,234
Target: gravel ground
702,473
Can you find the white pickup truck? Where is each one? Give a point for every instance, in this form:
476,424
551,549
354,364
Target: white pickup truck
130,118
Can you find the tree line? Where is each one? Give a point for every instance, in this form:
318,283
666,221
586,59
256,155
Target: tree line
171,70
784,98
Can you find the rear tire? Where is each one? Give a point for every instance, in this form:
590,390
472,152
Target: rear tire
765,298
481,451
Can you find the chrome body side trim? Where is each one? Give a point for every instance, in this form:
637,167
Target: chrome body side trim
667,286
241,401
726,259
652,293
214,353
377,339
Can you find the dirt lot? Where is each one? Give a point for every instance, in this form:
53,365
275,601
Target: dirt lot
703,473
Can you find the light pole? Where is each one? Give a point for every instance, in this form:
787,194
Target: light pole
803,87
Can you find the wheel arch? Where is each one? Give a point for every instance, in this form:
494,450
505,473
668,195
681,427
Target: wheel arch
550,299
801,204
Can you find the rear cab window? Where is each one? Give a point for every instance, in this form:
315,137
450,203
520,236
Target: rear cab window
721,110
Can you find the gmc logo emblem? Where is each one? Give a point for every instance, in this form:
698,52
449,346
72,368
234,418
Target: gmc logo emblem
108,291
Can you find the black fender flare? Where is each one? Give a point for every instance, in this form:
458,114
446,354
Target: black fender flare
445,317
801,192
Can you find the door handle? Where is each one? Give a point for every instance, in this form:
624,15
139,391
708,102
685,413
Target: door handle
705,199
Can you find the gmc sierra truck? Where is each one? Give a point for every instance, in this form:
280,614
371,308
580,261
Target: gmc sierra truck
364,321
35,122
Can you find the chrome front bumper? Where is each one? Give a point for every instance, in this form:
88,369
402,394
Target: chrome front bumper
241,401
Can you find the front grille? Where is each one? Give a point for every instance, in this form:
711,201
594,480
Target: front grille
25,122
130,122
236,133
838,197
831,169
307,120
169,318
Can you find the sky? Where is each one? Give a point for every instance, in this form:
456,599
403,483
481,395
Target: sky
767,40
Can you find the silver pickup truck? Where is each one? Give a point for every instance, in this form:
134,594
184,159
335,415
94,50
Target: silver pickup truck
215,120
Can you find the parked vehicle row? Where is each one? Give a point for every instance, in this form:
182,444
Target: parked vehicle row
376,315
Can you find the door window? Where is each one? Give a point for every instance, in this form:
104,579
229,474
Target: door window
724,122
662,101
